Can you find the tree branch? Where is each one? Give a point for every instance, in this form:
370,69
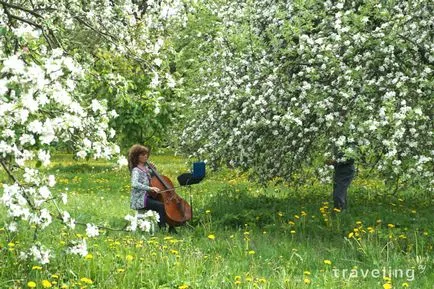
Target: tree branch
13,6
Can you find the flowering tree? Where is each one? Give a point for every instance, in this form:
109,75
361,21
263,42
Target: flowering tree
284,83
47,66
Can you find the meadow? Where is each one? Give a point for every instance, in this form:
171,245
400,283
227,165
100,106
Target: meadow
242,235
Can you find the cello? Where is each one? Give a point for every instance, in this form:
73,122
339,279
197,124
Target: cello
178,211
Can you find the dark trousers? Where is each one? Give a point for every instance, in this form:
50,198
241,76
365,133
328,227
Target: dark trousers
343,175
157,206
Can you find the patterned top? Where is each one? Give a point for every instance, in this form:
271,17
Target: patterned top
139,187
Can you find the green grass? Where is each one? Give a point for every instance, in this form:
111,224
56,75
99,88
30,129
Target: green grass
275,237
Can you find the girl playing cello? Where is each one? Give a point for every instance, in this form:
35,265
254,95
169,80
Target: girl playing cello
141,189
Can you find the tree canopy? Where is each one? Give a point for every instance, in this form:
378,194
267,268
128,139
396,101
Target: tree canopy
284,84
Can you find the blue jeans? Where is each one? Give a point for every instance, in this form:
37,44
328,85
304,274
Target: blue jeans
344,174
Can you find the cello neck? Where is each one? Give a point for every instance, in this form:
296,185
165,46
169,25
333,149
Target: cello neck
152,168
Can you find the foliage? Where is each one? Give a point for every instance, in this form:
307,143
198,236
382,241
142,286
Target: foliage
284,84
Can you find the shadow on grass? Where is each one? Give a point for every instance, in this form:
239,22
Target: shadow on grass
306,209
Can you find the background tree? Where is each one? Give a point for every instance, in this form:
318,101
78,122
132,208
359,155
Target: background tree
286,82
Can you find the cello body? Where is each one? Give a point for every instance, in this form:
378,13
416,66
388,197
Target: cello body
178,211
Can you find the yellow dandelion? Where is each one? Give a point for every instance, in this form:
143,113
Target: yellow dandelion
86,280
55,276
306,273
237,277
251,252
391,226
327,262
262,280
405,284
89,256
31,284
129,258
211,236
350,235
36,267
120,270
337,210
292,231
207,211
237,282
183,286
387,286
46,284
306,281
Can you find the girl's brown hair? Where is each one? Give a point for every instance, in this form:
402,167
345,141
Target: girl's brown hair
134,153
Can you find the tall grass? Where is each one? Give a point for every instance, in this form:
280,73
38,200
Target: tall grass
242,235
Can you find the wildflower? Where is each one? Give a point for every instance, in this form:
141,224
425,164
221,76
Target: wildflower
337,210
36,267
405,284
350,235
211,237
306,273
184,286
31,284
307,281
251,252
120,270
291,223
129,258
207,211
86,280
280,214
262,280
46,284
91,230
387,286
54,276
89,256
327,262
391,226
292,231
